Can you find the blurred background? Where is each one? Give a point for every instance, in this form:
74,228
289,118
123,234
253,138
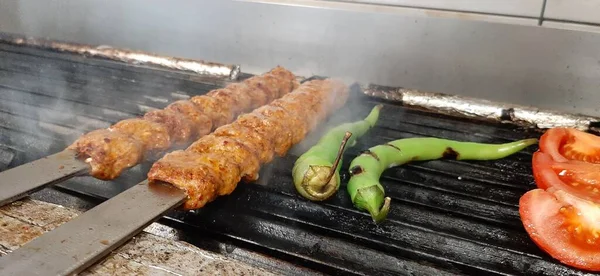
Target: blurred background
533,52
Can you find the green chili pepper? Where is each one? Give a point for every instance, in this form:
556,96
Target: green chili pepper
367,193
316,173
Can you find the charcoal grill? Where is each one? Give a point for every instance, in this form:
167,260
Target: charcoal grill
447,217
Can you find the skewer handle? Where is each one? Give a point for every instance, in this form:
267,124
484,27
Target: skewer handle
81,242
28,178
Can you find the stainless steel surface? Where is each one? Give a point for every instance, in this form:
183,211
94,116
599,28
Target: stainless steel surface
529,8
483,109
136,57
507,62
20,181
81,242
573,10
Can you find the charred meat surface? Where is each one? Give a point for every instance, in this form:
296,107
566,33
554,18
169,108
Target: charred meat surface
297,112
108,152
238,93
202,123
276,131
153,137
214,164
185,170
179,124
294,132
230,149
215,108
179,127
259,91
262,145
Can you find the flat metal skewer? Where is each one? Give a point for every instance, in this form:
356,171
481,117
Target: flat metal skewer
81,242
23,180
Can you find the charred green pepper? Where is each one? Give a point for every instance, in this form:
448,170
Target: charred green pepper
316,172
367,193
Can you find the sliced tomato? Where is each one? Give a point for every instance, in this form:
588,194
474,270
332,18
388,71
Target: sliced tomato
564,226
576,177
542,171
565,144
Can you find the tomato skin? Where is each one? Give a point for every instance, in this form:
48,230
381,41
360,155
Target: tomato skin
565,160
546,174
551,142
565,144
544,222
541,165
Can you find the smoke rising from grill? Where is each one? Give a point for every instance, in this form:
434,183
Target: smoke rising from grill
6,157
351,111
53,100
47,103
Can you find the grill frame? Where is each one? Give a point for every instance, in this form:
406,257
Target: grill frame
330,249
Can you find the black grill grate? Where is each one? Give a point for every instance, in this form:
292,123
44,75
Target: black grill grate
447,217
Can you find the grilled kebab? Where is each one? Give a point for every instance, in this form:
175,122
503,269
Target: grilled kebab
214,165
129,142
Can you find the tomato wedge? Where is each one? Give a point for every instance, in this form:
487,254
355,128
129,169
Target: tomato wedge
565,144
563,216
576,177
569,159
564,226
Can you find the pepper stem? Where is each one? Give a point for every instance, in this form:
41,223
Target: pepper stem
370,199
338,157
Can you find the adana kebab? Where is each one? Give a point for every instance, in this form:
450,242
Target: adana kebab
215,164
128,142
106,153
190,178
